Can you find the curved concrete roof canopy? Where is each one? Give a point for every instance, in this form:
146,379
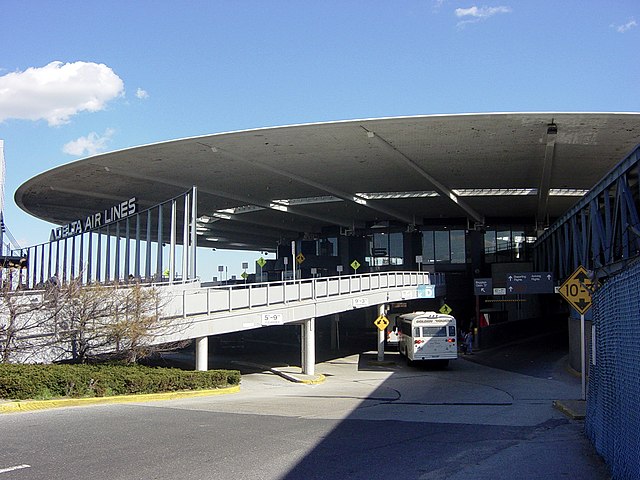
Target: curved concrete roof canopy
257,187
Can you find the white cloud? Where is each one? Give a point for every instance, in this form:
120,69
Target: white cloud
58,91
142,94
626,26
475,14
89,145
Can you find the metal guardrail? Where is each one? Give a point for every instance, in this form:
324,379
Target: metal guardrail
213,301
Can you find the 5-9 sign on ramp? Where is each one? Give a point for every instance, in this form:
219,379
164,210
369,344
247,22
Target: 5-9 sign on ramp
577,290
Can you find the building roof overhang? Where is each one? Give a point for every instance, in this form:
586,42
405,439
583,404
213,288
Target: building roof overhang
262,186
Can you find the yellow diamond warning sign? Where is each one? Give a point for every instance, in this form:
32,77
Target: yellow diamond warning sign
577,290
381,322
446,309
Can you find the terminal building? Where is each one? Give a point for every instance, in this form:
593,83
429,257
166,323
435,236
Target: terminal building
464,196
469,203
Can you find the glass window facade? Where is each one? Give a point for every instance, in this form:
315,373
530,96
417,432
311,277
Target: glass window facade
443,246
385,249
506,243
328,247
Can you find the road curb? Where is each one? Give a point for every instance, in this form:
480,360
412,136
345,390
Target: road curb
290,376
574,409
293,378
31,405
319,379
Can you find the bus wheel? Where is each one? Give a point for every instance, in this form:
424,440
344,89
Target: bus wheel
409,361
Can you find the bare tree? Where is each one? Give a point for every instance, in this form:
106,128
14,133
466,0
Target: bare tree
84,319
79,321
26,324
138,322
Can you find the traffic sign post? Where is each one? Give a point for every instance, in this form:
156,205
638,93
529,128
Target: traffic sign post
261,263
529,283
577,291
381,322
245,275
285,260
355,265
446,309
483,286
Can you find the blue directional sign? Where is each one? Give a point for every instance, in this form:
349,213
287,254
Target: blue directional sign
529,283
483,286
426,291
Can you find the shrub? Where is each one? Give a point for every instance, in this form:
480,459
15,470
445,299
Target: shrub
46,381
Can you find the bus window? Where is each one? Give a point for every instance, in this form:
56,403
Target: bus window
416,332
434,331
452,331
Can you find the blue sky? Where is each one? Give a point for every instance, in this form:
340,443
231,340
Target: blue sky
135,72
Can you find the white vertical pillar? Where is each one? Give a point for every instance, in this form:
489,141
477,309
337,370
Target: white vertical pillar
202,354
303,345
185,239
194,235
309,347
381,309
172,247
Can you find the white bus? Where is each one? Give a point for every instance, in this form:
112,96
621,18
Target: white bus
427,336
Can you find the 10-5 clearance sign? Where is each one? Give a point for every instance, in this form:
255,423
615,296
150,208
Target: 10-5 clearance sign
117,212
577,290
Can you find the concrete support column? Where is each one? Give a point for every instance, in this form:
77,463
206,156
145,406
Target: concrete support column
411,247
202,354
309,347
335,332
381,310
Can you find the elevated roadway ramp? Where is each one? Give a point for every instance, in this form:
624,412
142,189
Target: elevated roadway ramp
195,312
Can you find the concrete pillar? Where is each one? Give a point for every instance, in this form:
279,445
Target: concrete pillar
309,347
411,247
335,332
381,310
202,354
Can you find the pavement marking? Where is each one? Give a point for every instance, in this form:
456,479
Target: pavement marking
17,467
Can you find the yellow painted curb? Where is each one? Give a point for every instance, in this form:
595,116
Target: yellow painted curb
320,379
29,405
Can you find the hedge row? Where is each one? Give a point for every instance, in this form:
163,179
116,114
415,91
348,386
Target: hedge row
19,382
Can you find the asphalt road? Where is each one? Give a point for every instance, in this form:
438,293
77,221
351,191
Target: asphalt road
366,421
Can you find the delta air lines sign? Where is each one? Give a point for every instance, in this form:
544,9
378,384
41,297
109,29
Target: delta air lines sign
117,212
